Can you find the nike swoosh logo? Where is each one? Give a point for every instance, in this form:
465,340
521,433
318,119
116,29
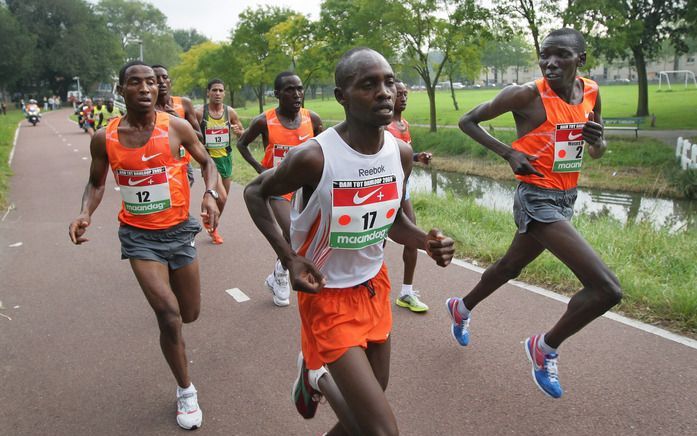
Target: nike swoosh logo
573,137
147,158
302,138
131,182
357,199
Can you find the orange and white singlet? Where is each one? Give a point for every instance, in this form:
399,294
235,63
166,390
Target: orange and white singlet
558,142
403,135
281,139
178,107
153,183
347,217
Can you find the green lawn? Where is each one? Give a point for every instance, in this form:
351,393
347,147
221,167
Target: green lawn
8,125
675,109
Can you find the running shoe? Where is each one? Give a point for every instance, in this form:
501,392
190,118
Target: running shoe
412,302
189,415
544,368
215,236
460,325
277,282
304,395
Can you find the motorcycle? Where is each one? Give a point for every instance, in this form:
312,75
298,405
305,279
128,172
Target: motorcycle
33,115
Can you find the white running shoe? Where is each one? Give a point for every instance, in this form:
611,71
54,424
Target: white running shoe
189,415
277,282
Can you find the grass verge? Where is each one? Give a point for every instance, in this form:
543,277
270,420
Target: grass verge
657,280
8,125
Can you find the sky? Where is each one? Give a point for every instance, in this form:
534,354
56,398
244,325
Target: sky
215,18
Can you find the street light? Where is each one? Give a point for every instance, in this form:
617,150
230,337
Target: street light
79,94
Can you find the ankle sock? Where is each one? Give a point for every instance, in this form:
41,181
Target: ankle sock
546,349
464,311
184,391
406,290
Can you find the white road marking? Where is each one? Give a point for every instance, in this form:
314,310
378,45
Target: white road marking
238,295
75,149
648,328
84,158
14,144
9,209
16,244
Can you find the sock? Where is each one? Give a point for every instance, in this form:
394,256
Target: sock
406,290
184,391
464,311
546,349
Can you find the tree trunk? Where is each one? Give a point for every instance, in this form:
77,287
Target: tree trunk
452,91
232,98
642,109
431,91
260,97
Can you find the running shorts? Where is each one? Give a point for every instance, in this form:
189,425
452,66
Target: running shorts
224,165
337,319
532,203
174,247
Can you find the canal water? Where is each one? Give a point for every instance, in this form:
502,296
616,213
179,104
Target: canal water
677,215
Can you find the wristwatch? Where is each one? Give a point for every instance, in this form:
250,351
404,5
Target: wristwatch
213,193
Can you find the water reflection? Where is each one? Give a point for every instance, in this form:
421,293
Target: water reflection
625,207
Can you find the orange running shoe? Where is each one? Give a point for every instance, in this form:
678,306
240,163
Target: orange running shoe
217,239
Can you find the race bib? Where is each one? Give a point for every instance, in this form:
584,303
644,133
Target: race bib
217,138
363,212
568,148
279,152
144,191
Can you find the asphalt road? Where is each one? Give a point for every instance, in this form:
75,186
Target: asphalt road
80,354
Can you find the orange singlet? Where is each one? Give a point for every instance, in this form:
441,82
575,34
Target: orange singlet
178,107
153,183
281,139
557,142
403,135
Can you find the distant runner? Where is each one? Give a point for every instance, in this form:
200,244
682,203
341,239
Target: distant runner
399,127
147,153
557,117
218,121
281,128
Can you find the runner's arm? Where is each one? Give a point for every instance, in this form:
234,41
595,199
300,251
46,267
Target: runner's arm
317,126
510,99
188,139
302,167
235,123
593,131
404,232
94,190
256,127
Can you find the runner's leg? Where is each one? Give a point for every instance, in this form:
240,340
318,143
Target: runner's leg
601,288
362,376
409,254
154,281
523,250
186,285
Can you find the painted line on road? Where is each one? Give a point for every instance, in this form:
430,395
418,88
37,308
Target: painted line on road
10,208
14,144
648,328
237,294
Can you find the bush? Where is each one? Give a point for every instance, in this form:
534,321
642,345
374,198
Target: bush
685,182
452,142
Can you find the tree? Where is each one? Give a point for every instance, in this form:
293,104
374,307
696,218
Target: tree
160,50
632,28
70,40
188,75
17,49
464,60
425,34
260,62
188,38
536,15
131,20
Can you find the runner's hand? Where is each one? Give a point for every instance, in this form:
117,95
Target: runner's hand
304,275
593,132
237,130
521,163
209,213
77,229
424,157
440,247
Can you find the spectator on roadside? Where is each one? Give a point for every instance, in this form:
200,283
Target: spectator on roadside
45,104
51,103
3,107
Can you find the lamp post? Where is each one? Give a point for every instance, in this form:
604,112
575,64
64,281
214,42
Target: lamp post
79,94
